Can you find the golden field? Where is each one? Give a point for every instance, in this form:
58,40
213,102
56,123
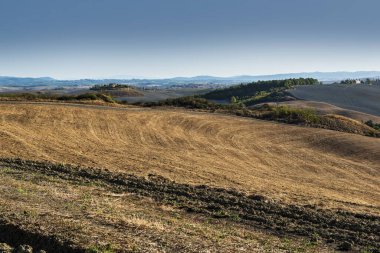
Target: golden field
284,162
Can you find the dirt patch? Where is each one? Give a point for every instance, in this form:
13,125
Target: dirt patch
338,227
18,237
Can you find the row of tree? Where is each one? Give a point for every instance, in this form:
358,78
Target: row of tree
110,86
251,89
357,81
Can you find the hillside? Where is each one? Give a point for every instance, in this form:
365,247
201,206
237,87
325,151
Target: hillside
238,183
258,92
117,90
361,98
193,147
70,209
326,108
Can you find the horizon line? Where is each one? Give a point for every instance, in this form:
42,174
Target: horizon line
193,76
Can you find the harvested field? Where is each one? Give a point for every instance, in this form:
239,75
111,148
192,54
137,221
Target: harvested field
251,211
60,208
287,163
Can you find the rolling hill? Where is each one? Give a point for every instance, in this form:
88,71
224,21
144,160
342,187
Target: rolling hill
290,163
361,98
173,180
322,76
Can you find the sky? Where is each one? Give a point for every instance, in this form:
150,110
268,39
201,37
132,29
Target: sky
166,38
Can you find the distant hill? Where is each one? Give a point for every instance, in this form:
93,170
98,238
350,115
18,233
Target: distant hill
259,92
361,98
6,81
21,81
322,76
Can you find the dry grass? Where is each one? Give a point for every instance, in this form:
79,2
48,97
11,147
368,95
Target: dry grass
291,163
92,217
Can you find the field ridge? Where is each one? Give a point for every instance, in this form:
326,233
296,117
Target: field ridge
337,227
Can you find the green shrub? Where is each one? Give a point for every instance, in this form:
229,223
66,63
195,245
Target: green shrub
294,115
191,102
110,86
375,126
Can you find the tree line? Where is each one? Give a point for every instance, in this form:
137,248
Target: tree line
251,89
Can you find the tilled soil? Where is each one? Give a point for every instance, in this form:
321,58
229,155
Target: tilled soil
345,229
20,238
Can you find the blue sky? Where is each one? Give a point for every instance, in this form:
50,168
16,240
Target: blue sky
166,38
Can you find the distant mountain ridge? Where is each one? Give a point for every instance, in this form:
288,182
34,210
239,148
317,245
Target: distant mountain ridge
322,76
6,81
327,76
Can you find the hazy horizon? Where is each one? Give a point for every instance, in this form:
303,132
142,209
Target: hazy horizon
173,38
202,75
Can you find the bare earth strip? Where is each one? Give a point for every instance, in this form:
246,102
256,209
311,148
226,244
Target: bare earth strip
289,163
82,210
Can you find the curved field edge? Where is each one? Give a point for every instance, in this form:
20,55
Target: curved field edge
360,231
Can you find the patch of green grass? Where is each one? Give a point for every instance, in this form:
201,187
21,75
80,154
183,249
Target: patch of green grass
293,115
101,249
22,191
375,126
